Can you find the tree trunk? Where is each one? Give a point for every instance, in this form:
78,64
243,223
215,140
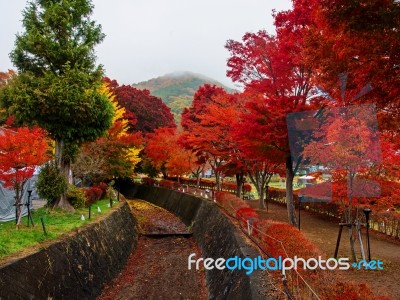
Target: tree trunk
350,216
197,173
215,164
198,180
349,221
257,179
352,249
289,192
18,209
217,181
64,167
18,201
239,184
262,198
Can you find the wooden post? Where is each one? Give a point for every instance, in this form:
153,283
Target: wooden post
43,226
338,239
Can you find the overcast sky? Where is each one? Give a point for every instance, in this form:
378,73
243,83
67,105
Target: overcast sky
149,38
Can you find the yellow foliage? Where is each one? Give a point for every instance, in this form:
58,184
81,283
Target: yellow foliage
132,153
119,111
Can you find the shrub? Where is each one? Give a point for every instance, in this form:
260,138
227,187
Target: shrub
148,181
103,187
270,234
246,213
168,184
289,235
247,188
230,202
229,186
93,194
51,185
338,289
205,183
76,196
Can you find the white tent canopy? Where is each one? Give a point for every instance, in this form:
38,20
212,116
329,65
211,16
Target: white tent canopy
306,177
7,199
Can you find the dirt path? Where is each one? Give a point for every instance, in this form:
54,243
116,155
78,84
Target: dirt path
157,269
323,233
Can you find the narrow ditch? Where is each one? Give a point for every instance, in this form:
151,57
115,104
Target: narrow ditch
157,268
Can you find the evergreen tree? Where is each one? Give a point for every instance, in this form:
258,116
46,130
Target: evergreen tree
58,85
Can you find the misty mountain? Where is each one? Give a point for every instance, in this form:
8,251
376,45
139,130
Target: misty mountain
177,89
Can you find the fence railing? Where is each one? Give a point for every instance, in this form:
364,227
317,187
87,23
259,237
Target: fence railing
387,222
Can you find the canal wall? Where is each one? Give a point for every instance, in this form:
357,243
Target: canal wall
76,266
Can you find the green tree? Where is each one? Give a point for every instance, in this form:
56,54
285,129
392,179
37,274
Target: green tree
58,85
50,184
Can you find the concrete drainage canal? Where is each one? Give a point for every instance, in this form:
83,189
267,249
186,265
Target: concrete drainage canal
158,265
107,258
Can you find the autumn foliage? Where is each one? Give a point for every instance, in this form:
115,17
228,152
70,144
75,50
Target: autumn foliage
93,194
144,111
276,83
281,239
21,151
113,155
166,154
207,131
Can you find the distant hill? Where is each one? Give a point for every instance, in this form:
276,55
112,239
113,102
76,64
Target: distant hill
177,89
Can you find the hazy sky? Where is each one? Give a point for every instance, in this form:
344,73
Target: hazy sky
149,38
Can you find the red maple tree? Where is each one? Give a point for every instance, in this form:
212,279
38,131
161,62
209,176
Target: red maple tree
270,66
160,148
347,144
144,111
20,152
262,160
359,38
207,131
168,156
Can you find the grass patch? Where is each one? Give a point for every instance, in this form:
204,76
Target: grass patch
57,222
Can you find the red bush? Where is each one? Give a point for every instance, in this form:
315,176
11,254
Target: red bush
246,213
93,194
168,184
327,284
229,186
103,187
270,233
148,181
230,202
338,289
247,188
204,183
